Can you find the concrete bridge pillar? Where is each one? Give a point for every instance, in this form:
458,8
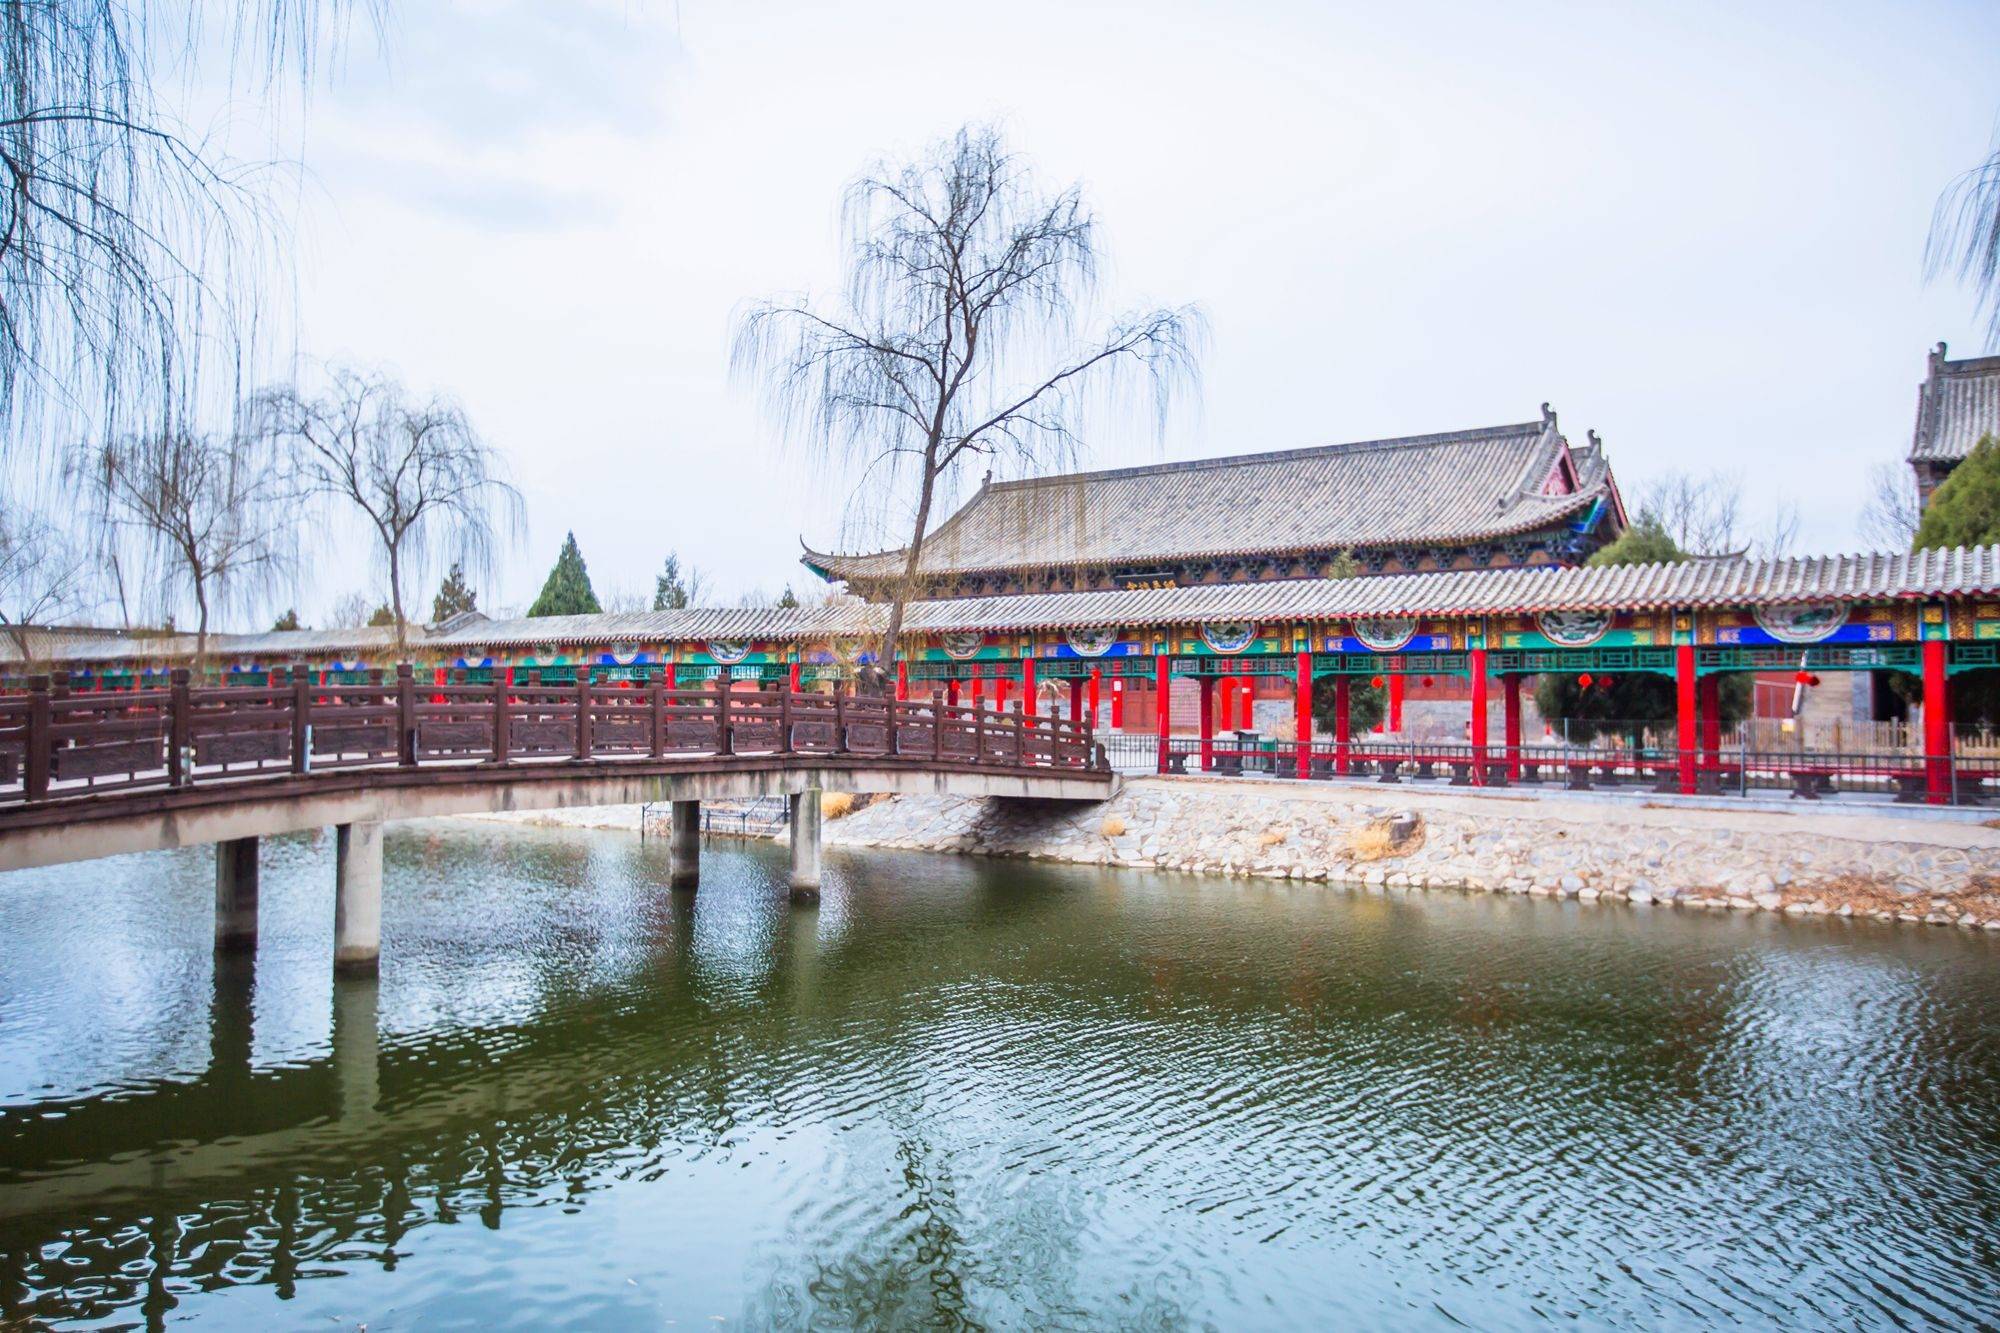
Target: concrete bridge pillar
684,844
236,896
357,898
805,844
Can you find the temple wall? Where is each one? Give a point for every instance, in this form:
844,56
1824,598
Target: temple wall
1841,862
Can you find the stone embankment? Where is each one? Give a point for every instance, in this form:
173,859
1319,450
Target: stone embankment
1829,861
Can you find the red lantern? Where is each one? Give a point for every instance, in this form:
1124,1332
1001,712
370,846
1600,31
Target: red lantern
1604,682
1428,682
1802,678
1583,681
1377,682
1814,681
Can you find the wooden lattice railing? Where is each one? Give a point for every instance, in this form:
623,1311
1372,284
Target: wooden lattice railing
55,744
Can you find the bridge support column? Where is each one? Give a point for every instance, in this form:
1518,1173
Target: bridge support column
805,844
236,896
684,844
357,898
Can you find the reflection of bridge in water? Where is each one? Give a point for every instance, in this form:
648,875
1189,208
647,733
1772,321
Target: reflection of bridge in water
88,775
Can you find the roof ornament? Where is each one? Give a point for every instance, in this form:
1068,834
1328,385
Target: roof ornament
1548,416
1595,443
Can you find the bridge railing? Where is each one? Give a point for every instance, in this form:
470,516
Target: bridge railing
57,744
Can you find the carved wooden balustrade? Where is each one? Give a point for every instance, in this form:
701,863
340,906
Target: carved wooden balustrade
56,745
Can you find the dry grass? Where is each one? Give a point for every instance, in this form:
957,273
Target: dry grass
1113,826
1876,893
1375,842
1272,837
834,804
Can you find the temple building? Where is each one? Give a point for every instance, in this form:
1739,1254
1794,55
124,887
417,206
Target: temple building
1958,404
1492,498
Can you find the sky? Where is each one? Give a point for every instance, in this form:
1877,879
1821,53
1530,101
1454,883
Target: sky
1696,229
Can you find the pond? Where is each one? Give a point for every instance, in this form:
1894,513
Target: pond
975,1094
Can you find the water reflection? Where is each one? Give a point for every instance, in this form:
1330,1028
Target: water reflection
965,1094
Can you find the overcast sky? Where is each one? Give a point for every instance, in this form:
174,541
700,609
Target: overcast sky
1696,229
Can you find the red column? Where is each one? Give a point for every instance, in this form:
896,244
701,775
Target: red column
1511,686
791,677
1708,708
951,692
1076,700
1207,687
1685,734
1096,684
1118,704
978,687
1302,716
1000,693
1225,713
1396,703
1028,690
1163,686
1475,664
902,681
1937,724
1343,691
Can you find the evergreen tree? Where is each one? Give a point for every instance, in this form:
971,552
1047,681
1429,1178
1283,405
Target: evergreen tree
568,591
675,589
788,600
1639,698
1965,509
1367,705
454,596
289,620
382,615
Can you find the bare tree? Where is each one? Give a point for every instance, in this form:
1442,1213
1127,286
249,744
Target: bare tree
1890,514
128,243
350,611
1781,531
206,511
429,487
43,575
1704,515
1964,239
957,335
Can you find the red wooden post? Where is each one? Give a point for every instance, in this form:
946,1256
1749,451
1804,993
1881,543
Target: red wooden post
951,691
902,681
1206,686
1708,706
301,715
1510,685
1302,716
1096,687
1937,724
406,714
1118,704
502,684
792,678
1076,700
1028,700
40,759
1223,711
1685,733
1475,664
1343,694
1395,718
1163,684
1000,693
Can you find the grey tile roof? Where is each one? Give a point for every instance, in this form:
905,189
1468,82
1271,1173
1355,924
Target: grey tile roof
1705,583
271,646
1958,402
1461,486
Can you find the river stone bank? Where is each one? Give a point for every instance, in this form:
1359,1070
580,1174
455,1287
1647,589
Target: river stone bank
1824,862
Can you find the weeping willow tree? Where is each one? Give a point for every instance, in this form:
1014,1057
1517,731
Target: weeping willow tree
1964,239
132,246
966,330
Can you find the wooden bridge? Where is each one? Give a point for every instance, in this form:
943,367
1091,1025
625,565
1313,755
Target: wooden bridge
96,774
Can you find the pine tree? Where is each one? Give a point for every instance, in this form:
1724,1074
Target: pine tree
788,600
382,615
675,589
568,591
289,620
454,596
1965,509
